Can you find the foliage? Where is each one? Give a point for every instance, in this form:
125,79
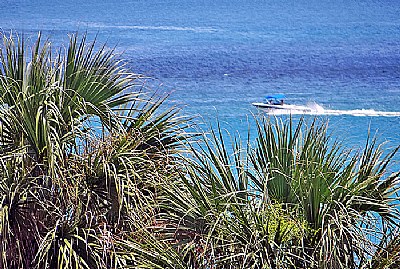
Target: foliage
294,199
82,149
96,174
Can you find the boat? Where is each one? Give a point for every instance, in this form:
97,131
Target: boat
276,102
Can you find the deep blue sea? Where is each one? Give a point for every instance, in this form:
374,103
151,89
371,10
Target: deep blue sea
216,57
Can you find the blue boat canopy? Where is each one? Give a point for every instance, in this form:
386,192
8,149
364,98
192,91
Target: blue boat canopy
276,96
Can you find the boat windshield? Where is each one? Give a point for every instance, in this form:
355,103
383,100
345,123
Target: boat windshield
276,99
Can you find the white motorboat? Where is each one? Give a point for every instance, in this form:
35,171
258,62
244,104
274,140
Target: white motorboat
276,102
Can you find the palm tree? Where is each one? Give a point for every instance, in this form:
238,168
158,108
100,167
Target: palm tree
334,192
94,174
294,199
82,148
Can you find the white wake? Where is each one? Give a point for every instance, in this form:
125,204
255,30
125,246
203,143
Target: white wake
153,28
317,109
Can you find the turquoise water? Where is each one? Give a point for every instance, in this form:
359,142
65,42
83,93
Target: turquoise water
217,57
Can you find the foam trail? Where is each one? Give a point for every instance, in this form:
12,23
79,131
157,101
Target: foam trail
317,109
153,28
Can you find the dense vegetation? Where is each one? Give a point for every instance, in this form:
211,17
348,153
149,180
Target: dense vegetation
94,173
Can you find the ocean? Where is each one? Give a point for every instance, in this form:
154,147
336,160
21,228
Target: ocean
216,57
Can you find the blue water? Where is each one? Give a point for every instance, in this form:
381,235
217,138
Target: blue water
216,57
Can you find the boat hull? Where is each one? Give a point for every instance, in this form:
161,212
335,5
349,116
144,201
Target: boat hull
272,107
